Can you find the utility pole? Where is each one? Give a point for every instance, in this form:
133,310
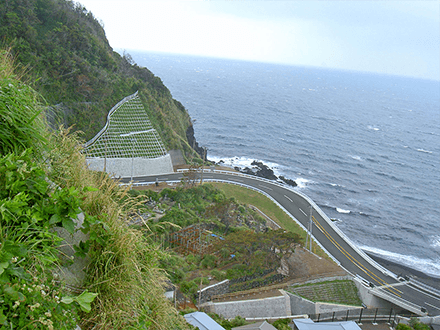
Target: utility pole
203,163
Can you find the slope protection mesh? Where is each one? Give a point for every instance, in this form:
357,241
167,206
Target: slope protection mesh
127,133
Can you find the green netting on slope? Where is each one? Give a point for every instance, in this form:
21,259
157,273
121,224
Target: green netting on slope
127,133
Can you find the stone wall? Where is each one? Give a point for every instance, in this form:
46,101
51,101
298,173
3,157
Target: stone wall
128,167
213,290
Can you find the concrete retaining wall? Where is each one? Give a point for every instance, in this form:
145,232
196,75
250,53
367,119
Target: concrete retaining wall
266,308
369,299
300,305
128,167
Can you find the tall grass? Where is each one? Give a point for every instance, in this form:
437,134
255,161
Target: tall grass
123,267
21,120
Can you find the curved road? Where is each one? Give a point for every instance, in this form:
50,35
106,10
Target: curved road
382,282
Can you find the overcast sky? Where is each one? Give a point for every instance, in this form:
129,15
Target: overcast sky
392,37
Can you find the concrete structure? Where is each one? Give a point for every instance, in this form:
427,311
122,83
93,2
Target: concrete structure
131,167
307,324
386,285
263,325
202,321
252,308
128,145
301,306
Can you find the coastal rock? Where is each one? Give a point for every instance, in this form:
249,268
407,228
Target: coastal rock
288,181
264,171
193,143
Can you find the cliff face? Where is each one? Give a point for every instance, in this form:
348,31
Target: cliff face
71,63
194,144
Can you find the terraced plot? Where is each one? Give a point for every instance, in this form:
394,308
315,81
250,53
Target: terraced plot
340,292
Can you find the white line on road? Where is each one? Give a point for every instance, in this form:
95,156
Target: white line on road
303,212
432,306
288,198
425,293
265,187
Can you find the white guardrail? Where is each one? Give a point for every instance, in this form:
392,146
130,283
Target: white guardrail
316,207
398,301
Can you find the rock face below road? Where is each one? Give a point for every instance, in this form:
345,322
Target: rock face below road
263,171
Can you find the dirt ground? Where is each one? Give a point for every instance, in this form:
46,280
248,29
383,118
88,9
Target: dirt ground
304,266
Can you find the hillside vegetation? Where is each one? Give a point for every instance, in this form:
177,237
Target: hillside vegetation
44,187
71,64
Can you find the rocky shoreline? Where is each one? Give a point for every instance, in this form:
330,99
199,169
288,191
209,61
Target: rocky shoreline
263,171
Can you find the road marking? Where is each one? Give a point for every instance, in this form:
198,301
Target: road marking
432,306
303,212
288,198
373,276
265,187
238,180
424,292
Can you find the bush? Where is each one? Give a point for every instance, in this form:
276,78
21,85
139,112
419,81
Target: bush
208,261
218,275
402,326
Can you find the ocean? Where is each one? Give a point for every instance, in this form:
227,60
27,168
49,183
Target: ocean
365,147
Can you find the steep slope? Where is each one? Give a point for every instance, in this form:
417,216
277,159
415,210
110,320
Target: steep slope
71,63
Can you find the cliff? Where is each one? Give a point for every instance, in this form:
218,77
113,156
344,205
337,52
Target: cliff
70,63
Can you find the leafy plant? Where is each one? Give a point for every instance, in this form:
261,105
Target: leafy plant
28,254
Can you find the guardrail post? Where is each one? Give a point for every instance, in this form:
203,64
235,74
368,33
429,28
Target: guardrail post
333,317
375,315
360,316
319,315
346,318
391,312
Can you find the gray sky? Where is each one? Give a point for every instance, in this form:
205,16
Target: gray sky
392,37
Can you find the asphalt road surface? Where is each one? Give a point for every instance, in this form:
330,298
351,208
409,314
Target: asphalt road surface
333,240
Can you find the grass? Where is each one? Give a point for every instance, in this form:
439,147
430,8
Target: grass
124,266
268,207
337,292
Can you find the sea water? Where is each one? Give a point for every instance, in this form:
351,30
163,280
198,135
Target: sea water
364,147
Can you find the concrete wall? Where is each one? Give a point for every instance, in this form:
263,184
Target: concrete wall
127,167
266,308
300,306
177,157
369,299
330,308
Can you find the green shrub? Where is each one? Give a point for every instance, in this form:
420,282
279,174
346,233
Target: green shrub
21,123
218,275
208,261
28,210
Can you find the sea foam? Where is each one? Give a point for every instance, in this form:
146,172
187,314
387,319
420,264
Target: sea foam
427,266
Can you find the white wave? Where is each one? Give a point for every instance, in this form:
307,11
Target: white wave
435,242
427,266
425,151
373,128
301,182
356,157
342,210
243,162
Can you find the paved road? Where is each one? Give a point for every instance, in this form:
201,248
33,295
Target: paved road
331,238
